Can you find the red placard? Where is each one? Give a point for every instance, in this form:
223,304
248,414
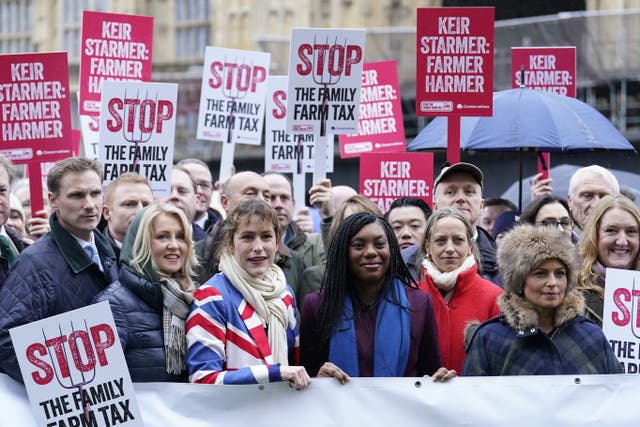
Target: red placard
114,47
454,62
389,176
35,113
550,69
380,126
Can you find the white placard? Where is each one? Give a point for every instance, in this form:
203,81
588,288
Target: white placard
137,131
287,152
74,370
325,68
234,88
621,316
90,128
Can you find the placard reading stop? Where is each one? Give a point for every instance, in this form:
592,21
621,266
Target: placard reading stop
74,370
233,94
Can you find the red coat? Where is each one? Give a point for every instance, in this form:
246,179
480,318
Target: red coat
474,298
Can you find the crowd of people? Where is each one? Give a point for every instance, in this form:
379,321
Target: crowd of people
243,288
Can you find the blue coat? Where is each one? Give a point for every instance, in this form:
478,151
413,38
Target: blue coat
137,311
513,344
52,276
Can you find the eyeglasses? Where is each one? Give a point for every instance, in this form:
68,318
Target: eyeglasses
565,224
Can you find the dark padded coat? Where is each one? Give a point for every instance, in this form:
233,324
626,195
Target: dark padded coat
52,276
136,305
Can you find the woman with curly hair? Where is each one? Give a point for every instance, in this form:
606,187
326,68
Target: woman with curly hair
242,328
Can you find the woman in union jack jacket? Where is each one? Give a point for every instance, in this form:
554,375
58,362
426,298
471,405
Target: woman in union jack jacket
242,326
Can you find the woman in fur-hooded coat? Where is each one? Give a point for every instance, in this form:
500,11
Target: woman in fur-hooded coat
542,330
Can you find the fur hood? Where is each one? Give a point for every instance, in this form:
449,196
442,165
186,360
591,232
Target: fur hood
520,314
526,246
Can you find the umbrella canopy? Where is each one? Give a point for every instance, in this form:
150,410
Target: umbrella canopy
561,175
526,118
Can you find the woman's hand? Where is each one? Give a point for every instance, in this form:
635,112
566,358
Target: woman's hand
328,369
296,375
442,374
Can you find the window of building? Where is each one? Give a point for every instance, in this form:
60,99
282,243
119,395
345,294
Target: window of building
193,32
72,24
15,26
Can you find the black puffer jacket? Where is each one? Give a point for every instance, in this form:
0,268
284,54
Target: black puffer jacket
487,248
52,276
137,311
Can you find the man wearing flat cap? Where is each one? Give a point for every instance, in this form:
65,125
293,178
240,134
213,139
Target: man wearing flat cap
460,186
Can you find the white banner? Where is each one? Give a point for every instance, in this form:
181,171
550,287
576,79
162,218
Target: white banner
563,400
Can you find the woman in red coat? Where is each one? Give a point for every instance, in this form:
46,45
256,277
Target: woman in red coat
450,270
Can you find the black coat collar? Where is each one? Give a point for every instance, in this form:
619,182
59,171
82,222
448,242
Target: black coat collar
72,252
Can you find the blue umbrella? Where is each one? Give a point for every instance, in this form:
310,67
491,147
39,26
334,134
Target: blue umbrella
526,118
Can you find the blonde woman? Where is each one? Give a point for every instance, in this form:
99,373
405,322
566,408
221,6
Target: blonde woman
150,300
610,239
450,271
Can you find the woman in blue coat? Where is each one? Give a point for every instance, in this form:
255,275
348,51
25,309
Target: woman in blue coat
150,300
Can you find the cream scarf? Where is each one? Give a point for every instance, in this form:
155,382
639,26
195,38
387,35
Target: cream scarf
447,281
265,296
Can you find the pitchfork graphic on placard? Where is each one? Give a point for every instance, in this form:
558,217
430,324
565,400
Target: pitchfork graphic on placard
320,80
70,383
231,91
130,136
